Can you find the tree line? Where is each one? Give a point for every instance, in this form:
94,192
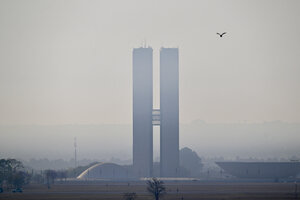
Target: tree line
12,174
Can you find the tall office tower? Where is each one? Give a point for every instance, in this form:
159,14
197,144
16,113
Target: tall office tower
169,112
142,112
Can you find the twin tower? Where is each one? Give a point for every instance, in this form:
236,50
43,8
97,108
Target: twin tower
145,116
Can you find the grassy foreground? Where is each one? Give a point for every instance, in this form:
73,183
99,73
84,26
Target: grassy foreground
175,190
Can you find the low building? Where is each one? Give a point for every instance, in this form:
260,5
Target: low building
261,170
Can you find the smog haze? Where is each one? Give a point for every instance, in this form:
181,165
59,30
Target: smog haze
66,71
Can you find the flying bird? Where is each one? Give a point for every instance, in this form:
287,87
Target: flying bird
221,35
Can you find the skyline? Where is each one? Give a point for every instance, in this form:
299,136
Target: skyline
179,99
270,139
70,63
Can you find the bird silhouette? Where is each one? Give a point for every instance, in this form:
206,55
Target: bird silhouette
221,35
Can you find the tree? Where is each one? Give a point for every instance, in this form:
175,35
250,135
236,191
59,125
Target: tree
37,178
129,196
12,166
62,175
2,170
9,169
50,176
156,188
18,179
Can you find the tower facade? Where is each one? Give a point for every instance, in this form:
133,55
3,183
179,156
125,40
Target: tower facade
169,112
145,117
142,112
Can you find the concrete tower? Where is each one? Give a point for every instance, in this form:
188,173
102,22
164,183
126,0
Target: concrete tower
169,112
145,117
142,112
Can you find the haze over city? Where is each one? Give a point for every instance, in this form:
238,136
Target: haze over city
149,99
66,71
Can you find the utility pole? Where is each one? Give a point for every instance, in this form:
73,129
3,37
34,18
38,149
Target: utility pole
75,147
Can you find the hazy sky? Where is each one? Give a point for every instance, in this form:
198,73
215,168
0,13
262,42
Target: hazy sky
260,140
70,62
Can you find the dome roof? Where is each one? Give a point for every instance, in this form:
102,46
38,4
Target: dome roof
104,171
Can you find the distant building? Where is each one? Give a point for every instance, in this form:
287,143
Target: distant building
145,117
169,112
142,112
261,170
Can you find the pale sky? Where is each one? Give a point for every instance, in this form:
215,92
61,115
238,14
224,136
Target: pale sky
70,62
